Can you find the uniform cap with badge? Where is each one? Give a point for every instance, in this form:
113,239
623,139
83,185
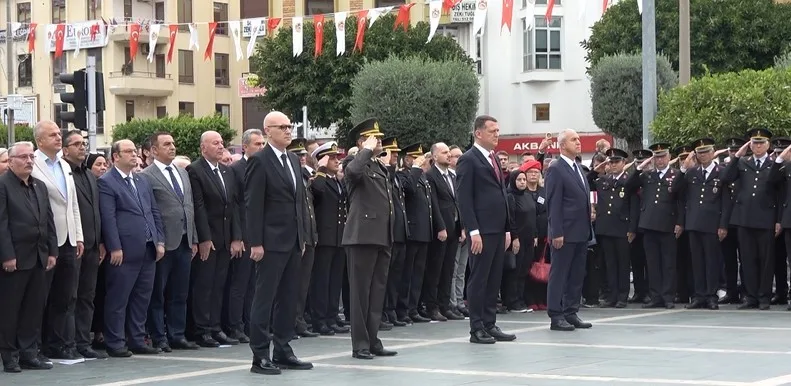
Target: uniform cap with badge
780,143
759,135
297,146
660,149
329,148
683,151
734,143
642,154
366,128
703,145
391,144
413,150
616,155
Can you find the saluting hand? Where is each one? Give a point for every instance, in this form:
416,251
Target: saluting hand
323,161
370,142
742,150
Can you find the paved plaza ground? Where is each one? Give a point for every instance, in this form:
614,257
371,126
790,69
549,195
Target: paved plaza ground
625,346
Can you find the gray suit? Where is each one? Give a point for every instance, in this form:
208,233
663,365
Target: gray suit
174,211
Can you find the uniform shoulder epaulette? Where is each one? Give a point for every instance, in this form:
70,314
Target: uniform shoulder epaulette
321,174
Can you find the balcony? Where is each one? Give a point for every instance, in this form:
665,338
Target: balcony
120,34
143,84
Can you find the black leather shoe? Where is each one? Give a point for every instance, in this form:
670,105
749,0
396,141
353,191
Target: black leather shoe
561,325
405,319
437,316
575,321
341,322
63,353
382,352
747,306
183,344
240,336
324,330
340,329
119,353
669,306
481,337
713,305
776,300
291,362
697,304
90,353
305,333
764,306
33,364
417,318
451,315
498,335
164,346
620,305
384,326
398,323
224,339
12,367
464,311
264,366
653,305
147,350
362,354
206,340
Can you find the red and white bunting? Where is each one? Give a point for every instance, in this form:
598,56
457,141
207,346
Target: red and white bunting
340,33
236,36
193,37
153,35
434,13
297,35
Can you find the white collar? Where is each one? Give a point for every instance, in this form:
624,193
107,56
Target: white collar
568,160
212,166
123,175
486,153
162,166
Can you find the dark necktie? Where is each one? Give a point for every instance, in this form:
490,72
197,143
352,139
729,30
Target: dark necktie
219,181
495,166
284,161
705,174
757,163
137,197
449,180
577,172
337,184
176,186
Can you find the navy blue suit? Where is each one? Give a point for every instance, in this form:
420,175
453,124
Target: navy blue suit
129,285
569,213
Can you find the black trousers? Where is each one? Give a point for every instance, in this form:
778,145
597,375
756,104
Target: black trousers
660,256
639,265
86,292
756,251
397,256
305,272
440,267
730,255
207,290
167,310
368,268
685,280
781,269
594,286
615,251
514,281
326,285
412,277
97,326
277,281
483,285
59,326
706,257
22,303
239,293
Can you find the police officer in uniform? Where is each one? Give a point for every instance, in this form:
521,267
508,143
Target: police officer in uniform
705,220
636,250
658,218
368,237
400,234
613,216
781,267
782,176
685,282
730,245
755,215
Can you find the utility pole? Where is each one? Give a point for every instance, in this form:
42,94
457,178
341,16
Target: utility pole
10,65
305,126
684,56
90,72
649,68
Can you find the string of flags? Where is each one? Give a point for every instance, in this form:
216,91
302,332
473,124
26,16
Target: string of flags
97,33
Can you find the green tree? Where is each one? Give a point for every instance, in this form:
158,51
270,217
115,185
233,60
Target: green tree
725,35
726,105
324,83
21,133
185,129
783,62
417,100
617,94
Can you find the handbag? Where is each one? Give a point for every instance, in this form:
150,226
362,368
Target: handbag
539,270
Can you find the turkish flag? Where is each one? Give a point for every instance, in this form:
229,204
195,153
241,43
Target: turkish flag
94,31
271,24
174,28
448,4
31,37
210,46
60,34
550,6
362,21
402,20
318,23
134,40
508,12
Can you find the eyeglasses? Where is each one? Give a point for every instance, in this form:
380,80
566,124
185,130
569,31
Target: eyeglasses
79,144
25,156
282,127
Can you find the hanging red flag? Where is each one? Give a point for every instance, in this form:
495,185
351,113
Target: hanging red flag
448,4
550,6
271,24
94,31
210,47
318,23
31,38
508,12
362,21
134,40
402,20
604,5
174,28
60,33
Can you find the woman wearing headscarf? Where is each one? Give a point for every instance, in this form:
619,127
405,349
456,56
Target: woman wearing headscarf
535,293
97,164
3,160
524,225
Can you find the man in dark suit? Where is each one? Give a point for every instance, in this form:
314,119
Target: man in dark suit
569,215
275,198
483,206
134,236
400,236
74,153
241,278
214,194
368,237
173,194
28,248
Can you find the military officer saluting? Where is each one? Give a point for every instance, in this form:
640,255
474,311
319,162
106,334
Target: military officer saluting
659,213
730,246
613,216
705,220
400,235
755,215
782,176
637,252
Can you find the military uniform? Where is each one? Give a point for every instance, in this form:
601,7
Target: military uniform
636,250
730,245
755,215
400,236
685,281
368,237
782,177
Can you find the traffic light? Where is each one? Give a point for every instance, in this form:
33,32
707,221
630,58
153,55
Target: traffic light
78,99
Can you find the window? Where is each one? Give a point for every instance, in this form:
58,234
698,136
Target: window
100,122
318,7
25,71
59,66
23,13
127,9
128,67
96,53
130,110
184,14
541,48
58,108
389,3
94,9
477,56
221,16
186,108
221,70
224,110
186,74
58,11
162,111
541,112
159,62
254,8
159,12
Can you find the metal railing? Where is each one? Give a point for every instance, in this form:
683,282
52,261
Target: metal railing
139,74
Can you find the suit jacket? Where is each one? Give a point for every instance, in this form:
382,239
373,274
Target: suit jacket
216,210
371,218
705,201
309,220
423,216
124,218
330,206
755,204
481,196
660,207
88,200
178,215
27,236
568,202
276,210
65,209
401,227
239,168
446,201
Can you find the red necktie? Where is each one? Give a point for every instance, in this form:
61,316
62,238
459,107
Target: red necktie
494,166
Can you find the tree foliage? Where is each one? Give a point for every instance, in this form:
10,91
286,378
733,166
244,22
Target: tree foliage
783,62
324,83
617,94
726,105
417,100
185,129
21,133
725,35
